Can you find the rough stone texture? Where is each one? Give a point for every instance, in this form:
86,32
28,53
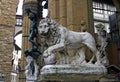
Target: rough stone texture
7,24
70,12
8,10
72,73
73,69
53,9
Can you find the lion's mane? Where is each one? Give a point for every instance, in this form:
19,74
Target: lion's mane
54,32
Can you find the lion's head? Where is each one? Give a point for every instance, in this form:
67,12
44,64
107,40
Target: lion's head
46,26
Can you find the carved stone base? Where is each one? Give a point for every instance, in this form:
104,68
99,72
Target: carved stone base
30,81
72,73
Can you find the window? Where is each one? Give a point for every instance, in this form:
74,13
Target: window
97,7
19,22
100,7
111,9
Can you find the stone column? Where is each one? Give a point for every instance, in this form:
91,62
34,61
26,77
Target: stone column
63,12
78,15
53,9
90,17
74,14
32,4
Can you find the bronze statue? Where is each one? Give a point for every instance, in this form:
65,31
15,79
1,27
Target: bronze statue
31,69
33,29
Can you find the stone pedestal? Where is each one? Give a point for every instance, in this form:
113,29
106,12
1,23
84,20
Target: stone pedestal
72,73
30,81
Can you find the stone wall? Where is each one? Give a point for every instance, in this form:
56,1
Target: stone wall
74,14
7,24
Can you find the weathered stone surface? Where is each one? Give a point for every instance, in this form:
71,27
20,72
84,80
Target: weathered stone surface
53,9
72,73
73,69
8,10
7,24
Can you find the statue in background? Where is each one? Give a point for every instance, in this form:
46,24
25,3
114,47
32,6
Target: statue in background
59,39
31,69
102,42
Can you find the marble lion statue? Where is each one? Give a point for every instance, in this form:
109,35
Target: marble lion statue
59,38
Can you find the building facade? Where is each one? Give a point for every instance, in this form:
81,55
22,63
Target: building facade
7,25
